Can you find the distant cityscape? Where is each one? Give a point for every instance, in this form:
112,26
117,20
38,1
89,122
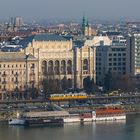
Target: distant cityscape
38,59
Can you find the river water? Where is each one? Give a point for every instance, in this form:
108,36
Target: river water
117,130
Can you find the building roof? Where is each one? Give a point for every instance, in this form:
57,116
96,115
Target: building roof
46,114
15,56
113,33
41,37
49,37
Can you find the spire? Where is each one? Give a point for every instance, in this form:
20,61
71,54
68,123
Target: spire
84,22
87,24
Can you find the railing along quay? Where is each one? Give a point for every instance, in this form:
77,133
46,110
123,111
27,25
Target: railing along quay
90,98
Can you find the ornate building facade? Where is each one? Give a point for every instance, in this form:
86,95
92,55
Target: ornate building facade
55,55
43,57
18,72
60,59
84,65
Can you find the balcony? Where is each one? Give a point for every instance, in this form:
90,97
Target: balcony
16,74
4,75
32,74
4,82
3,89
32,81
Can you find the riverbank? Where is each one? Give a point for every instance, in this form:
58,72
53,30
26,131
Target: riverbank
129,109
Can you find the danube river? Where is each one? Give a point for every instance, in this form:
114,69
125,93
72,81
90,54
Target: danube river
117,130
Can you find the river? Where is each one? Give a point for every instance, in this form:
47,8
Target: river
117,130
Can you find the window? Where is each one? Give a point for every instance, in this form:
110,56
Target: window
119,64
114,59
124,68
123,49
85,64
4,79
32,65
12,79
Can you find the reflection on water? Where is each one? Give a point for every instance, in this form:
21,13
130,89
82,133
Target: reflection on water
111,130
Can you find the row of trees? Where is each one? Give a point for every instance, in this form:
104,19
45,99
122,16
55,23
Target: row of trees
112,81
123,82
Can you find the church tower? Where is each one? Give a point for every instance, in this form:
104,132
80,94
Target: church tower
86,28
83,25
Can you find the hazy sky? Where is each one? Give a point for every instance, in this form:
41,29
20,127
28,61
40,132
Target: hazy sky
68,9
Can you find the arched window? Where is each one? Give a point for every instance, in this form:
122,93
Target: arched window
69,67
56,67
63,67
85,64
50,67
44,67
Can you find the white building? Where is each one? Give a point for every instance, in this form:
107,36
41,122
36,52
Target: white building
133,54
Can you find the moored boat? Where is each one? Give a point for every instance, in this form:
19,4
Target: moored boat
108,114
44,122
72,118
16,121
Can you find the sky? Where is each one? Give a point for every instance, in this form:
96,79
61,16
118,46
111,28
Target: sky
71,9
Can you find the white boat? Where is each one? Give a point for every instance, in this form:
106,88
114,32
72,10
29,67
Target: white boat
108,115
72,118
16,121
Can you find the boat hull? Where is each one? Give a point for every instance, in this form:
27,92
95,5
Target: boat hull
71,119
43,122
16,121
110,118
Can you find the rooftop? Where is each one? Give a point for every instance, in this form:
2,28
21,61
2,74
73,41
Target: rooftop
14,56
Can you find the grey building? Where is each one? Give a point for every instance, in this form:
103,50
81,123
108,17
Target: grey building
110,59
